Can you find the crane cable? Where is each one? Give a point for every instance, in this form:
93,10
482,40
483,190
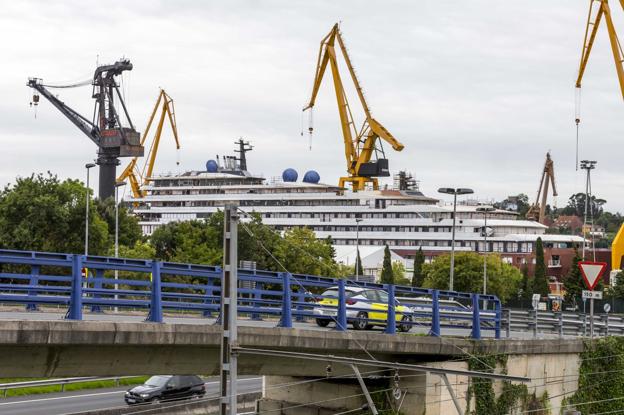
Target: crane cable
577,120
74,85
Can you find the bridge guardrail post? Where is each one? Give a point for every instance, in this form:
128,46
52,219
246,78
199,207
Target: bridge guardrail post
286,320
560,324
34,280
208,293
257,299
508,323
299,307
534,324
97,284
476,318
498,319
156,312
391,314
74,311
341,312
435,313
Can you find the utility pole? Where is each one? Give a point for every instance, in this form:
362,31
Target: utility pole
357,249
229,311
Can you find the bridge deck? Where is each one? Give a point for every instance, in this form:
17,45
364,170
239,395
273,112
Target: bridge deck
98,348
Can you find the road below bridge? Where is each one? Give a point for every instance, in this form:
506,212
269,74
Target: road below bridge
96,399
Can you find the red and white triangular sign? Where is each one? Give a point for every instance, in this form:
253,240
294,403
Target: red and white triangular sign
592,271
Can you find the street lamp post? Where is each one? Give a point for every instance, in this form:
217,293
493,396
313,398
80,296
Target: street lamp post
454,192
117,186
88,166
357,249
485,210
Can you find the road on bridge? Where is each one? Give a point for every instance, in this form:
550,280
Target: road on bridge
97,399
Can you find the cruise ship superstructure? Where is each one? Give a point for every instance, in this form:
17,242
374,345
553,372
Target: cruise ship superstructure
401,216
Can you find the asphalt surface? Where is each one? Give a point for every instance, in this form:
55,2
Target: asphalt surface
94,399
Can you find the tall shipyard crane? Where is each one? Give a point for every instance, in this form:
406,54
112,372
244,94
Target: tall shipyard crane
139,178
112,139
537,211
360,145
599,9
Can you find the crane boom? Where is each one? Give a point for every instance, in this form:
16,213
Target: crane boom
139,178
537,211
595,15
83,124
359,145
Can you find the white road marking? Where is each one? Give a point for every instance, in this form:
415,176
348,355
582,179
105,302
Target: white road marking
60,397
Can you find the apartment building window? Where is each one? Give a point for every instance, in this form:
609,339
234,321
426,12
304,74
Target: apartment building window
555,261
498,246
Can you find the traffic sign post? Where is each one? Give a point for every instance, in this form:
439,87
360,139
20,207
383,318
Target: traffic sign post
591,271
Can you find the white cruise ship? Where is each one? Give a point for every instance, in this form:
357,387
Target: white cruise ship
401,216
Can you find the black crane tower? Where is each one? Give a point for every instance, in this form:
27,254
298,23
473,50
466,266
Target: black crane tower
113,139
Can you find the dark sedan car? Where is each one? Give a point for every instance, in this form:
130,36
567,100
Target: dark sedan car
165,388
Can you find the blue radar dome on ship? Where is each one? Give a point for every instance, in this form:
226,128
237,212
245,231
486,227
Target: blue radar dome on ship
311,176
212,166
290,175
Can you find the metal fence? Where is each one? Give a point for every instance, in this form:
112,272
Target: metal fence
5,387
561,323
78,282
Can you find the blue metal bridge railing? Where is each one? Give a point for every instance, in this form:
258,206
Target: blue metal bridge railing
77,282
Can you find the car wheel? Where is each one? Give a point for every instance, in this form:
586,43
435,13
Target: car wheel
405,327
322,322
156,400
361,323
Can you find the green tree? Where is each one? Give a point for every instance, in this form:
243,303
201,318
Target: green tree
525,285
42,213
617,289
195,241
503,279
398,274
540,281
573,283
418,277
387,276
129,228
359,270
301,252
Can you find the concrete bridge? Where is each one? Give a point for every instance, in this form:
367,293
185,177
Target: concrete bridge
79,348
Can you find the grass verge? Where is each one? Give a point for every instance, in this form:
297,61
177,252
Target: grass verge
95,384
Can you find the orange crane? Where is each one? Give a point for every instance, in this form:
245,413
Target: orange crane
537,211
139,178
359,144
599,9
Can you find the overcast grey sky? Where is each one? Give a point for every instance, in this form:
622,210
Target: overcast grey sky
477,91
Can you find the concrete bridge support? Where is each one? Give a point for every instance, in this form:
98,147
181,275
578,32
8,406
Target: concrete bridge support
554,374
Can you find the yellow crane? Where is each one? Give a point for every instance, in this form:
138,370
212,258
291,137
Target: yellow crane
599,9
537,211
360,145
139,178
